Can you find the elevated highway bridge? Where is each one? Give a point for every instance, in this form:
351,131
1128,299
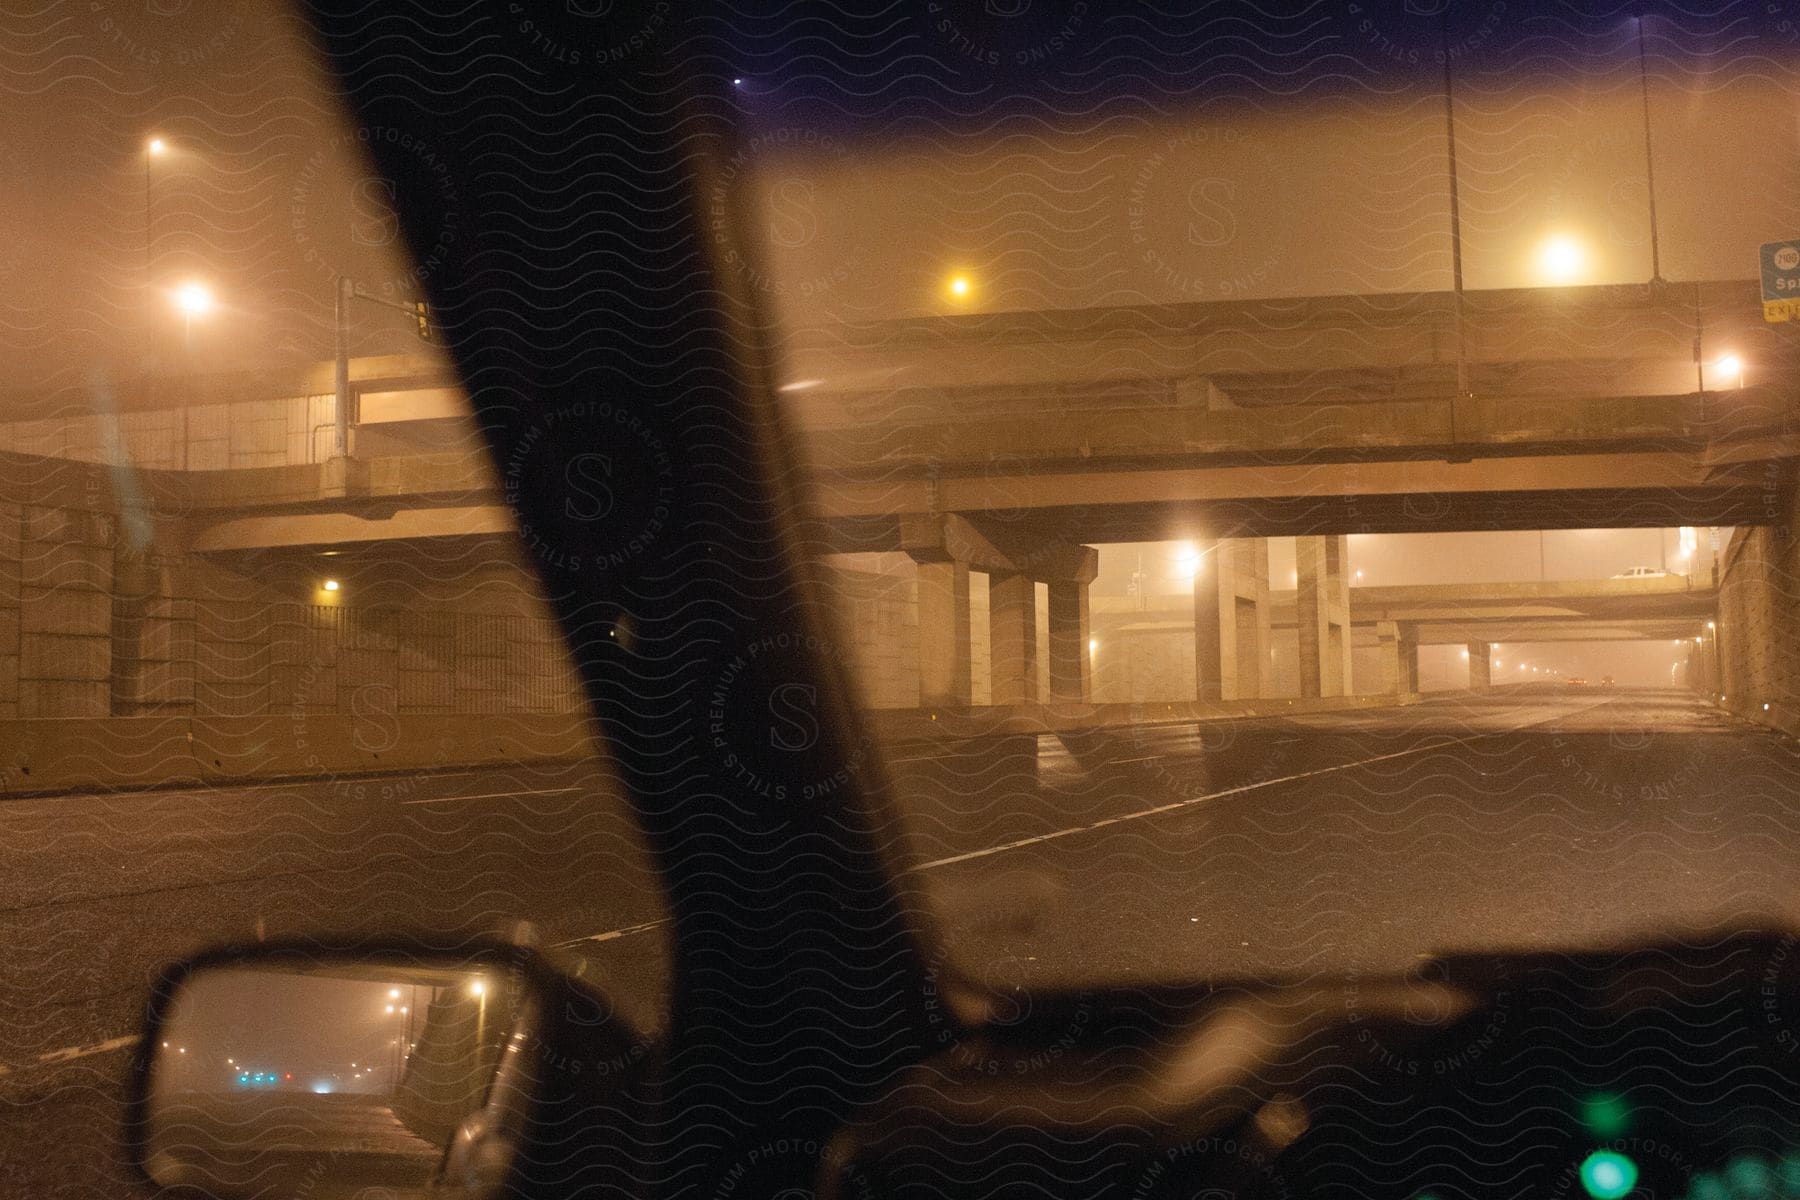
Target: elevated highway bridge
1012,443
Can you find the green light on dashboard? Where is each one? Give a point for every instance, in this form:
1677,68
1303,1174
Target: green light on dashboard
1605,1115
1607,1175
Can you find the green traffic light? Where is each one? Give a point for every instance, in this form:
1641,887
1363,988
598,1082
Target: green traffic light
1607,1175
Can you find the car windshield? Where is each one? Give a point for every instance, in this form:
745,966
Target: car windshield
1296,493
1304,492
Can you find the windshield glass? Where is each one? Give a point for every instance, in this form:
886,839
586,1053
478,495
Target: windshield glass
274,659
1303,492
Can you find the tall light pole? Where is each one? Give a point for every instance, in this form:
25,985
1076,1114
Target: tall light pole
154,149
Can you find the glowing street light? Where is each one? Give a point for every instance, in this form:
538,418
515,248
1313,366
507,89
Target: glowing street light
194,299
1561,259
1729,367
1187,562
960,288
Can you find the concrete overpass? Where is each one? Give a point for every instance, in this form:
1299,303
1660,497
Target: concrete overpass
1010,444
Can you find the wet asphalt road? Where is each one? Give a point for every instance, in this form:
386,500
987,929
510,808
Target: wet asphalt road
1342,842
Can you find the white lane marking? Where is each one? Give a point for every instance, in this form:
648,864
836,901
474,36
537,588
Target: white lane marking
495,795
1239,790
1163,808
613,934
1115,762
71,1053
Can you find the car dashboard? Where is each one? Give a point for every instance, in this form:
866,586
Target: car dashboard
1664,1070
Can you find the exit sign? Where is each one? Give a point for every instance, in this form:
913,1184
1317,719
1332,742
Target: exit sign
1780,280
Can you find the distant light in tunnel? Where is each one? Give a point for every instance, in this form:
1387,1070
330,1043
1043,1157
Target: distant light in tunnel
960,287
800,385
331,585
157,145
1093,645
1728,368
1561,259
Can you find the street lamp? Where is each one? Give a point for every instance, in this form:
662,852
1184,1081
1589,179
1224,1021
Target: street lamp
192,300
1729,367
1561,259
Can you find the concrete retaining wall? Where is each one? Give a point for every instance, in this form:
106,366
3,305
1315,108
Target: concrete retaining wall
135,752
1759,625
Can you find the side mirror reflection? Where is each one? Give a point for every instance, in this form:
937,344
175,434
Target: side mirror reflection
283,1076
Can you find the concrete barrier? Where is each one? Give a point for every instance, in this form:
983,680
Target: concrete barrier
74,754
45,755
911,725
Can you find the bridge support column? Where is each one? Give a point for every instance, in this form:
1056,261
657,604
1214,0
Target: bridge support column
1399,645
1071,665
1231,621
1323,611
1012,635
1387,641
945,677
1481,674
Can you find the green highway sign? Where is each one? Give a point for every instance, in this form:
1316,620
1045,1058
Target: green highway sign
1780,280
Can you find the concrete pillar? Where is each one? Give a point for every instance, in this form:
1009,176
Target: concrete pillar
945,679
1209,641
12,559
1387,639
1071,666
1231,620
153,640
1481,675
1322,605
1407,646
1012,636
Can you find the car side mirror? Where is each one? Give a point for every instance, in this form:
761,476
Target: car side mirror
300,1069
